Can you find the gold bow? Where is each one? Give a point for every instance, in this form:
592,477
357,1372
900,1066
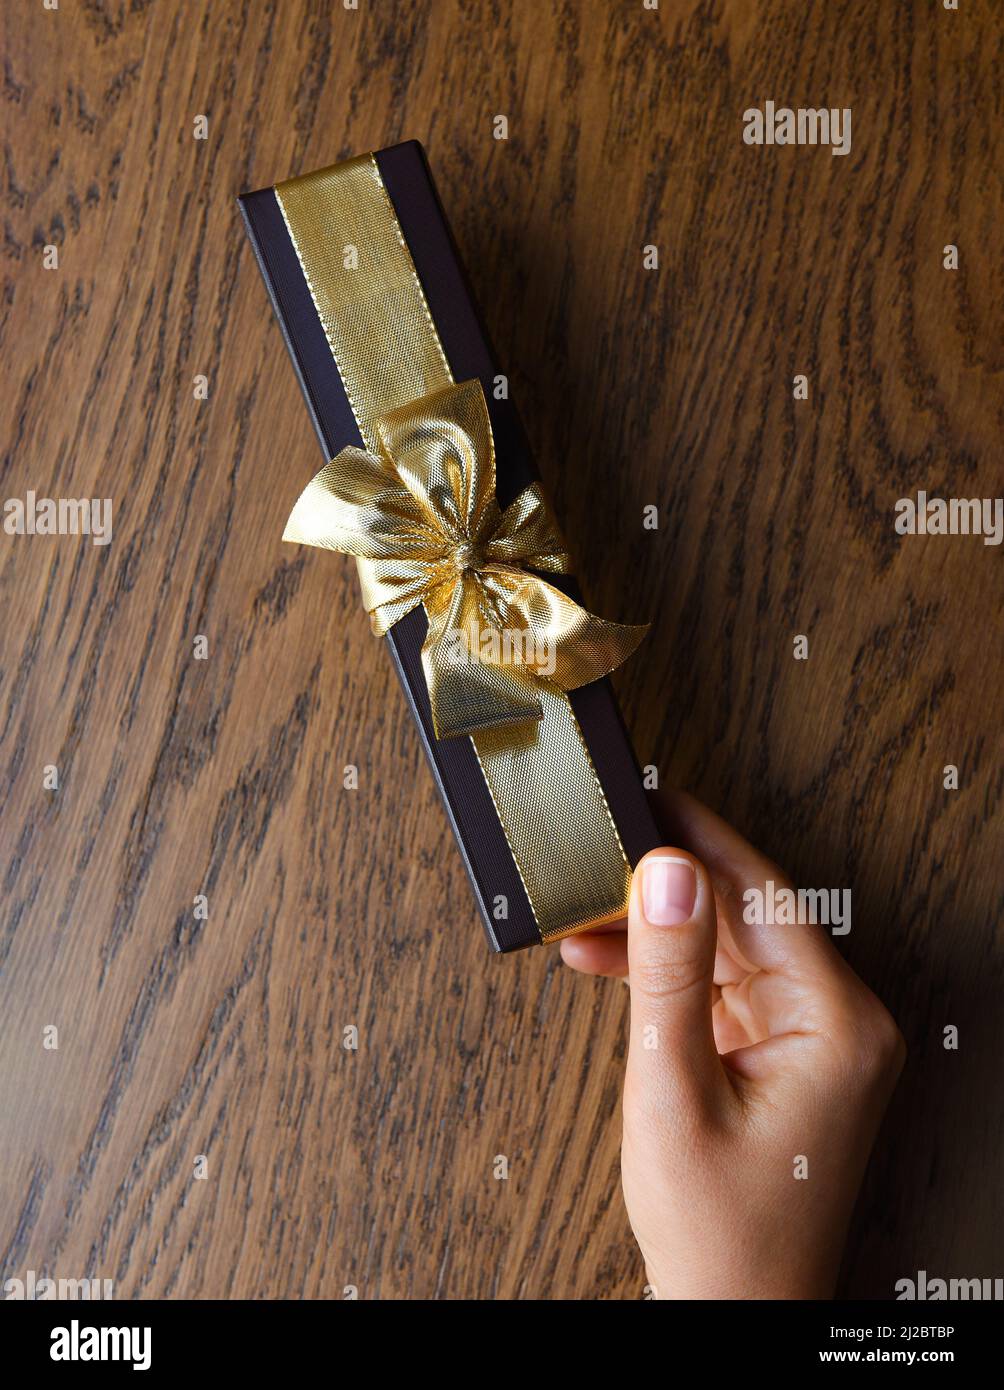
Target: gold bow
424,525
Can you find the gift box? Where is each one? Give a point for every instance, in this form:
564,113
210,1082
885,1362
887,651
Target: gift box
430,485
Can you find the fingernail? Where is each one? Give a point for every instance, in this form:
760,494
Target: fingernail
668,891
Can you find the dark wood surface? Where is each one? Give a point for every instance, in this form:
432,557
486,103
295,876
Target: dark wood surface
180,1037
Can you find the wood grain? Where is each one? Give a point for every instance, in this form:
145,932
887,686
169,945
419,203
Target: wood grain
222,1037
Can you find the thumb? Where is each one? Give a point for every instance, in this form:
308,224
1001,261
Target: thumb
672,938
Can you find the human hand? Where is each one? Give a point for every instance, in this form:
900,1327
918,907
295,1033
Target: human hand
750,1045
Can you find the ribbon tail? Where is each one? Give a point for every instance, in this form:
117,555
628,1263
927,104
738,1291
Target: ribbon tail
571,646
467,693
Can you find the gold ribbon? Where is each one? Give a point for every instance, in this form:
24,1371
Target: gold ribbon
423,521
418,510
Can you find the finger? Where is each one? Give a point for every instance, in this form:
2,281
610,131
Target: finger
740,872
687,821
672,937
599,953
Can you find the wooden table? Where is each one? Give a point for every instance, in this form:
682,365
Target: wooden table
219,1036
